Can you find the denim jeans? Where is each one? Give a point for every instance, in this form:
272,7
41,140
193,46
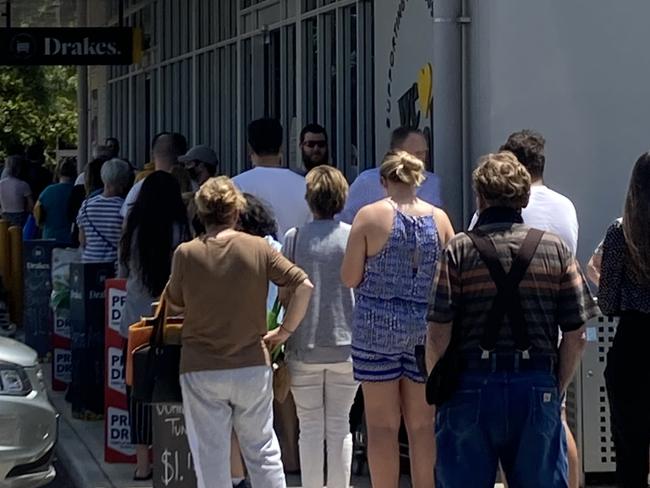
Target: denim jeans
513,418
324,394
216,401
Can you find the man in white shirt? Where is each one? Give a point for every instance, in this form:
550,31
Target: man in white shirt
165,156
282,190
367,188
550,211
547,209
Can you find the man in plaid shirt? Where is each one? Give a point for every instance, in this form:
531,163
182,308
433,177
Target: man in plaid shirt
513,375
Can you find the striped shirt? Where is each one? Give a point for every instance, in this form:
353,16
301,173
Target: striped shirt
100,220
553,291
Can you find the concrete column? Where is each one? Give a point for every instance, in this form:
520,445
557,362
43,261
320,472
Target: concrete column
82,96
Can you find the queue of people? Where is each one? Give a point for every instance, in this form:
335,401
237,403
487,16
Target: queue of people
367,274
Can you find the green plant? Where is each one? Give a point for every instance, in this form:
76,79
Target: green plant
37,102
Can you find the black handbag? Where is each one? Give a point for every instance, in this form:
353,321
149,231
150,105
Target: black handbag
445,375
156,377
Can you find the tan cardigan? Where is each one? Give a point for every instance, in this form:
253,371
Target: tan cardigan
221,283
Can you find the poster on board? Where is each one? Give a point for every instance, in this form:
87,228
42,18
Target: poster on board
117,447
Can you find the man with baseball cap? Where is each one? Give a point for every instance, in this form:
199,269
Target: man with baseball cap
201,162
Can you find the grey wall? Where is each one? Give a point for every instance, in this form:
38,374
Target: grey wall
422,38
447,113
579,72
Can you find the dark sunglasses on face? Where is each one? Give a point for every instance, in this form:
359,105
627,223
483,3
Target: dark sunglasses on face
313,144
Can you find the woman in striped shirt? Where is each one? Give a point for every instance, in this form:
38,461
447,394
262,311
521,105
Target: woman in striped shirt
99,219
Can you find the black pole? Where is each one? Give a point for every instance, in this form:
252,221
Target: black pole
7,13
120,13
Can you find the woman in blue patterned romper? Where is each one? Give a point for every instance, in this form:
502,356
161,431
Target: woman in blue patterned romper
391,256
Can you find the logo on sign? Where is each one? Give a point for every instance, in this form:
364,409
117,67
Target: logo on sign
118,435
62,325
115,370
62,364
102,276
116,300
23,46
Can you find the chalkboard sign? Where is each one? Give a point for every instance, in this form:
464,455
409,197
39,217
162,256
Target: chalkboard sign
172,465
87,330
37,315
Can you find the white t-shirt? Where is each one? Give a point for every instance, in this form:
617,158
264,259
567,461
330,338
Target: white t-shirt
12,195
282,190
130,199
550,211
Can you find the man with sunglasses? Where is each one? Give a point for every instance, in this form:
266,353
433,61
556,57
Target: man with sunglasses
314,146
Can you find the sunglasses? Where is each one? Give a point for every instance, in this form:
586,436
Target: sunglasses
313,144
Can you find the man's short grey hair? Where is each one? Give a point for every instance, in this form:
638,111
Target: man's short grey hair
116,173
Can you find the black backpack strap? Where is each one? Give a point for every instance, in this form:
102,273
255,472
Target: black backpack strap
524,257
507,302
517,272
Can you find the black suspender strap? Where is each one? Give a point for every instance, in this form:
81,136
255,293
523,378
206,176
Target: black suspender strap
508,301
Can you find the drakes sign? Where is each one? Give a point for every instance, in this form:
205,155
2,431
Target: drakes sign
70,46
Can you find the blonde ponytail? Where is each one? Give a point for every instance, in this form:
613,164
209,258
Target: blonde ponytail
402,167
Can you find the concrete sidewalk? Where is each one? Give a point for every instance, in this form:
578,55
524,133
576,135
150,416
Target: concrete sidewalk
81,450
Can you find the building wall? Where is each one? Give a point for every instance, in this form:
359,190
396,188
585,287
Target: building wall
569,70
221,64
576,71
417,83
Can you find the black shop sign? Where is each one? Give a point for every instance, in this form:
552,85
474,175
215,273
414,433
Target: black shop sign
70,46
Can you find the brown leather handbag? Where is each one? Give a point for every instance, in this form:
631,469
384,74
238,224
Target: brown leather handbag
140,334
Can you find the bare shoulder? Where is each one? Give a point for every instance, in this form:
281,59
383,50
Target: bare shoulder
373,212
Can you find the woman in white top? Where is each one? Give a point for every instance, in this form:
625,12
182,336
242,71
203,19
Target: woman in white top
15,195
318,352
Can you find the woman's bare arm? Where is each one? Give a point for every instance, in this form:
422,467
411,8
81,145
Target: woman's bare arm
445,228
355,254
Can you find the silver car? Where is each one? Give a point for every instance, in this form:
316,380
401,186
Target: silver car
28,422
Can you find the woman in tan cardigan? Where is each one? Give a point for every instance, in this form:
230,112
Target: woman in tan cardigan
220,282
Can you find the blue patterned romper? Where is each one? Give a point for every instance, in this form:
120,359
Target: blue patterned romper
392,301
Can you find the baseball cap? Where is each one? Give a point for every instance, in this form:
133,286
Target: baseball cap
200,153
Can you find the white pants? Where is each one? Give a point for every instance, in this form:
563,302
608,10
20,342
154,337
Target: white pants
324,394
216,401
